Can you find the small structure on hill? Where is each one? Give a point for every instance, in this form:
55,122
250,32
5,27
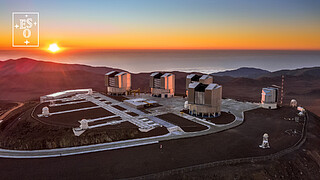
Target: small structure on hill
45,111
84,124
139,102
162,84
265,141
204,99
204,79
90,92
269,98
117,83
63,94
293,103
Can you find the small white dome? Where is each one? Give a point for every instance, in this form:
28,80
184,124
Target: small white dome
45,111
293,103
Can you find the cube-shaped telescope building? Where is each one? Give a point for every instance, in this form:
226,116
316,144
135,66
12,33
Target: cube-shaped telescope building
162,84
117,83
204,79
204,99
269,98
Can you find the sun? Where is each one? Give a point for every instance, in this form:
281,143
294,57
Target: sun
53,48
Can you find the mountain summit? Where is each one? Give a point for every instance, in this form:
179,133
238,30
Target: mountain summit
246,72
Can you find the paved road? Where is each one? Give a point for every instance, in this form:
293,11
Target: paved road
12,109
227,105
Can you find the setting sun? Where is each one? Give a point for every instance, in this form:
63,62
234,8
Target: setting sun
53,48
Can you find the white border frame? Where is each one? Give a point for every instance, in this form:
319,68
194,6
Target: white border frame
12,26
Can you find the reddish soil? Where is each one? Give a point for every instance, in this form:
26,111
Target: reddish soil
21,131
71,119
132,114
301,164
6,105
241,141
224,118
24,86
154,132
118,98
185,124
119,107
302,88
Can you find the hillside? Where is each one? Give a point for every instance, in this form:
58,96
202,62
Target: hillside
307,72
255,73
26,65
243,72
26,79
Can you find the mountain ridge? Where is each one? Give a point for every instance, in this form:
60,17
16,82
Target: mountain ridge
26,65
29,80
255,73
247,72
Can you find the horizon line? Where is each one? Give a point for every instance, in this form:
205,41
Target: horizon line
176,49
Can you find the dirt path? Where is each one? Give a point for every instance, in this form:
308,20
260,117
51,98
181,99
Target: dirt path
12,109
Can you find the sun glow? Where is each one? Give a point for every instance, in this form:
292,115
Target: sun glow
53,48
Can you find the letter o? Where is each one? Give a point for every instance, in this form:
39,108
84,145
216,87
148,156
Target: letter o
25,35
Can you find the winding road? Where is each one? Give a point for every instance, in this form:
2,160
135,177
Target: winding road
235,107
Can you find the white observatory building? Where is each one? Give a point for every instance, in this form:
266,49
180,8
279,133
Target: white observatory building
204,79
162,84
117,83
204,99
293,103
265,141
269,98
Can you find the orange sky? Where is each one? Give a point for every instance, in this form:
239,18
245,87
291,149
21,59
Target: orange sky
194,26
245,38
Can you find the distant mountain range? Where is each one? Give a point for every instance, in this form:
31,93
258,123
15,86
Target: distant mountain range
243,72
255,73
26,65
25,79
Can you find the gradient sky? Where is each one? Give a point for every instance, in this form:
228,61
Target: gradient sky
171,24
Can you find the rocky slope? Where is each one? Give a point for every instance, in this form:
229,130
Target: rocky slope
26,79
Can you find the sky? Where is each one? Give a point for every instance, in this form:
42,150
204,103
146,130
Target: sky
170,24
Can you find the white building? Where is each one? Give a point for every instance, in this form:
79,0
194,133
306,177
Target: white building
269,98
293,103
117,83
204,99
139,102
63,94
204,79
162,84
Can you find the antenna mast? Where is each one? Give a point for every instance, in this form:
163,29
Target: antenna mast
282,89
